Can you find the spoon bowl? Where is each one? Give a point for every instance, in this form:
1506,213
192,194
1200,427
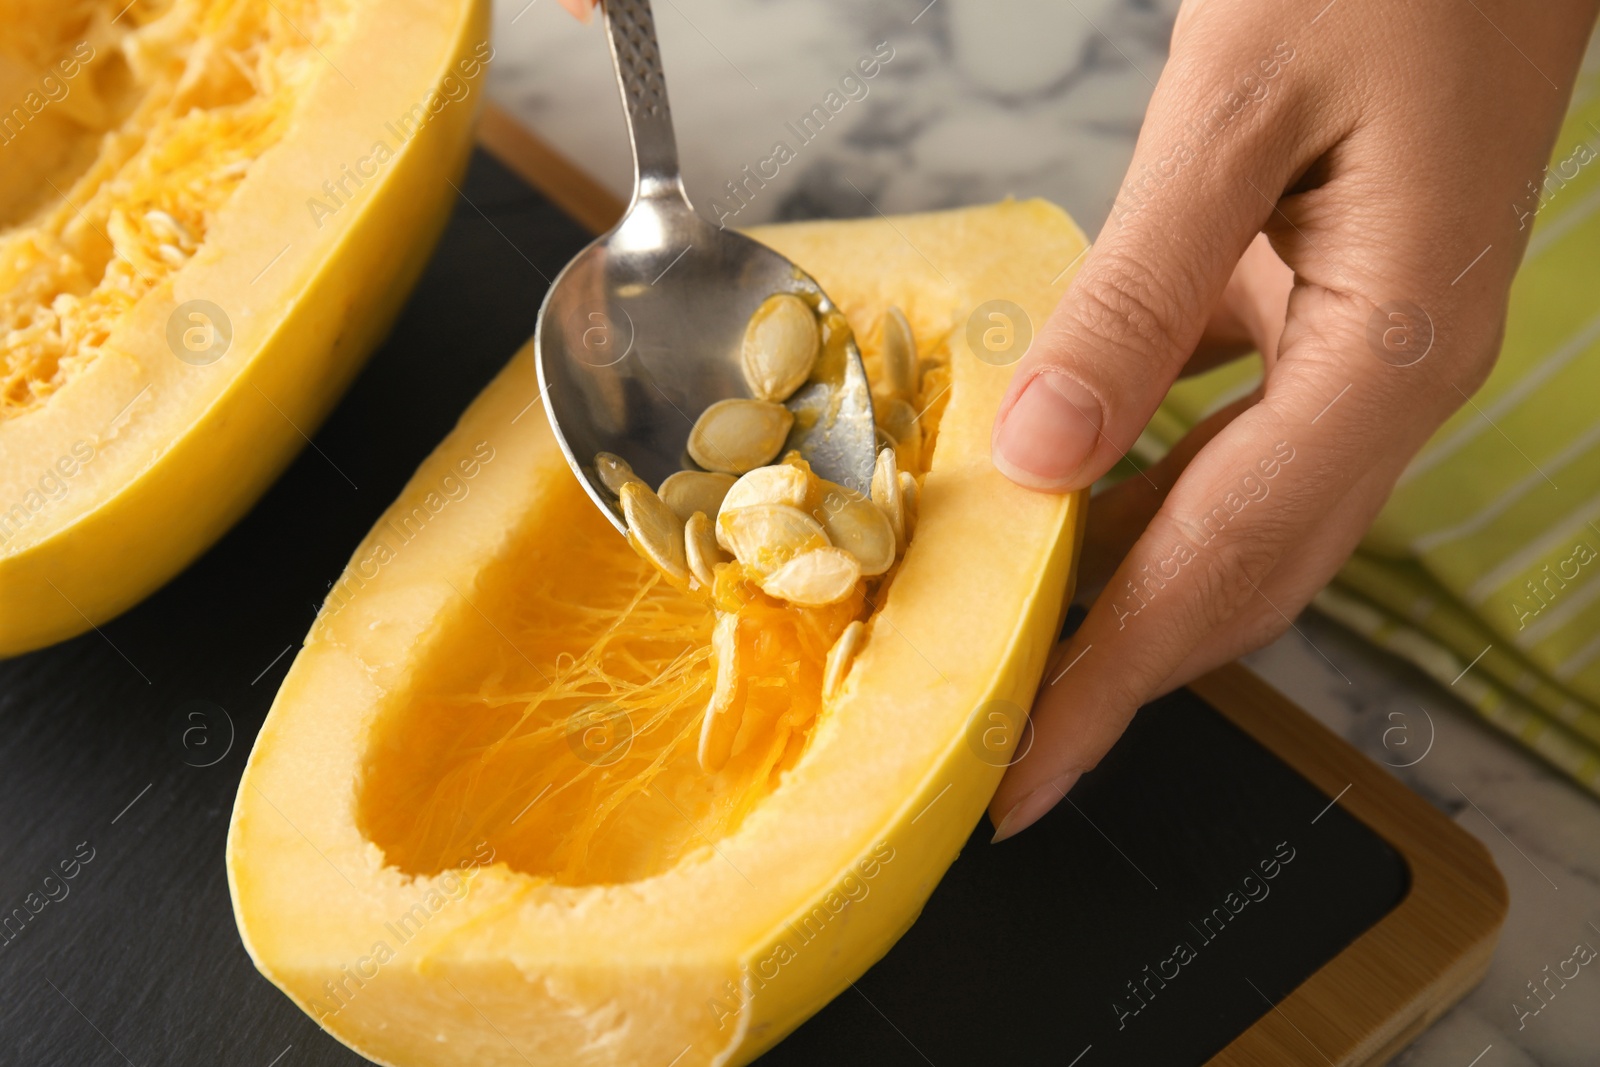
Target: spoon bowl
642,331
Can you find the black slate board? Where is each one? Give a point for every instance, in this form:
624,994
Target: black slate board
125,746
1064,942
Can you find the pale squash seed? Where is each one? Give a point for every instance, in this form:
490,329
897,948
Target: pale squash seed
780,347
812,579
721,725
690,491
655,531
855,524
898,420
614,472
911,500
781,483
900,369
735,436
700,546
840,656
765,537
886,494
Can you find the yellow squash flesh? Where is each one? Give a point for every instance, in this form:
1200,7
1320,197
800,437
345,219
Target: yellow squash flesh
130,436
444,864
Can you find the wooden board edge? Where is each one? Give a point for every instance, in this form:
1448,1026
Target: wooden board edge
564,183
1367,1003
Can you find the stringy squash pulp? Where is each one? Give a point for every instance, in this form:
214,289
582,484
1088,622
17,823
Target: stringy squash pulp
474,830
200,239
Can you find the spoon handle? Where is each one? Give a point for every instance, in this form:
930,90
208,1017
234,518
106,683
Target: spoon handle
632,31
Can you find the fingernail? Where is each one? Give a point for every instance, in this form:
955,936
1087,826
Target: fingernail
582,9
1048,434
1027,811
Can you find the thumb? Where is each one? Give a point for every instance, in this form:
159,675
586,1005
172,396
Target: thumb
1141,300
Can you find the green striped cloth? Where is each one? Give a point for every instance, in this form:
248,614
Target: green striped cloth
1487,556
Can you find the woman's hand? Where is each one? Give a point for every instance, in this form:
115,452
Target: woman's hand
1345,187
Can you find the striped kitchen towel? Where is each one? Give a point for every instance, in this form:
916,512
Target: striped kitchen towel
1484,567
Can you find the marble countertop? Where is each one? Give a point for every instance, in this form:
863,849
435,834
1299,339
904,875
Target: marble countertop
972,101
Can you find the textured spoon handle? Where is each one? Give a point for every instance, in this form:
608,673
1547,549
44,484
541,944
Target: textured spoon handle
632,30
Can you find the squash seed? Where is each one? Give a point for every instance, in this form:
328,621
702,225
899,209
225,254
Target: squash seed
887,496
781,483
911,500
812,579
700,546
899,421
170,226
615,473
840,656
735,436
721,724
765,537
655,531
900,368
780,347
690,491
855,524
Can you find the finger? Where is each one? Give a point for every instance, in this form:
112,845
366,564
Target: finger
583,10
1293,582
1253,308
1139,305
1267,481
1250,316
1120,514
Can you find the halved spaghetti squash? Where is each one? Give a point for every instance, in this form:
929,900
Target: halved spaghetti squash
211,212
474,829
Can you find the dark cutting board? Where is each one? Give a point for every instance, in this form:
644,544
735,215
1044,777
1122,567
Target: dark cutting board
125,746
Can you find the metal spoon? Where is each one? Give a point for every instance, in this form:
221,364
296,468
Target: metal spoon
641,332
